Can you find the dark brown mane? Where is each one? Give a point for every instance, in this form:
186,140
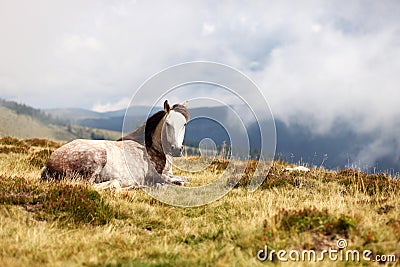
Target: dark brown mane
151,125
148,128
182,109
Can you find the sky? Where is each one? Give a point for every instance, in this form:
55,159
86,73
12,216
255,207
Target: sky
316,62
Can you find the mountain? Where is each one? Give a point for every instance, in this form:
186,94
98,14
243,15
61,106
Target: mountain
79,114
73,114
111,120
22,121
296,143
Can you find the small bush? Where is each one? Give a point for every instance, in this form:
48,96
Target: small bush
14,149
218,165
78,204
275,177
17,191
247,171
313,220
66,203
370,184
13,145
8,140
42,143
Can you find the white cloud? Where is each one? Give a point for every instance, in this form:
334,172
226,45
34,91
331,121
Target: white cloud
75,43
208,28
120,104
316,28
316,61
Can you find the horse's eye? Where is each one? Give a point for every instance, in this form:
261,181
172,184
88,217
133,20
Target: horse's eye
184,125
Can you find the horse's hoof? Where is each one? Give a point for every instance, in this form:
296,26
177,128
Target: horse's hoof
180,183
178,180
160,185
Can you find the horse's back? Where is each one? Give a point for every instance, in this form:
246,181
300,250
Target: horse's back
84,157
102,161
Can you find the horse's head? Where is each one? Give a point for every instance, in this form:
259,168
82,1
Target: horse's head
173,130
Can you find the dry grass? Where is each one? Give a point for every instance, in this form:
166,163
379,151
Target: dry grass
71,224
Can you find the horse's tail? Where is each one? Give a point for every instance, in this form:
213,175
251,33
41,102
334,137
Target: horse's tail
45,173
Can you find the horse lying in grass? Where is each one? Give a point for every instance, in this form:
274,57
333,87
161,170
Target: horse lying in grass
141,158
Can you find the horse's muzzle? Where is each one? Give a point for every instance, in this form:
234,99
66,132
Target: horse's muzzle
177,151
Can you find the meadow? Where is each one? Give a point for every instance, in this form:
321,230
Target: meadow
69,223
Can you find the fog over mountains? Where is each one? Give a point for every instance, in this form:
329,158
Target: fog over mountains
296,143
329,69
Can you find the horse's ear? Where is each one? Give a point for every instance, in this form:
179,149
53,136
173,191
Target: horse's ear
166,106
185,104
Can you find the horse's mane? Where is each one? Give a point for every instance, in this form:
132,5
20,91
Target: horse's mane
148,128
181,109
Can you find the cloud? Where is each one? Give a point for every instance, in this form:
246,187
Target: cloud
108,106
208,29
316,62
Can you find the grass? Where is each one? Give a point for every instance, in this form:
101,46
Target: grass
65,203
69,223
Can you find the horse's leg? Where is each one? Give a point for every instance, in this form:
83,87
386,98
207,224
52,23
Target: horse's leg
175,179
113,184
170,177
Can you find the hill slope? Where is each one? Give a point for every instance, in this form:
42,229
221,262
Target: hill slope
26,122
24,126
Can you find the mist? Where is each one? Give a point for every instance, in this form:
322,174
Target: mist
319,64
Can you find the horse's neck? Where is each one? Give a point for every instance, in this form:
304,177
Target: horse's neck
168,164
156,152
158,159
156,138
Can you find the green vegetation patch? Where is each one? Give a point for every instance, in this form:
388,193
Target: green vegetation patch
313,220
275,178
10,144
370,184
8,140
38,142
351,180
66,203
14,149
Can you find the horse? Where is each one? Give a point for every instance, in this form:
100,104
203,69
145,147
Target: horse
139,159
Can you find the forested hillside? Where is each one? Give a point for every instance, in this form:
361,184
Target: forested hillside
22,121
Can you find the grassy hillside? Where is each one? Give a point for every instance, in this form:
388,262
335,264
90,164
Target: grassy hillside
72,224
25,122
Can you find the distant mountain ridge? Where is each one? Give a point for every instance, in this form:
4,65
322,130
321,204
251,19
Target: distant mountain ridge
77,114
22,121
296,143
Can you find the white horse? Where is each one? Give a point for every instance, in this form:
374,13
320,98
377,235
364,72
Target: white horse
141,158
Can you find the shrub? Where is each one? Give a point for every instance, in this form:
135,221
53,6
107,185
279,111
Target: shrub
66,203
42,143
8,140
78,204
370,184
314,220
14,149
